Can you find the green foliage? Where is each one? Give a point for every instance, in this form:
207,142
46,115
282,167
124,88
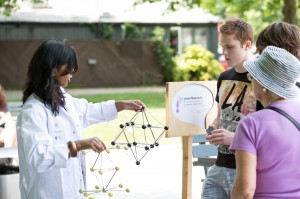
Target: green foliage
158,34
164,54
154,101
173,4
8,6
258,13
197,64
106,31
132,31
37,1
93,28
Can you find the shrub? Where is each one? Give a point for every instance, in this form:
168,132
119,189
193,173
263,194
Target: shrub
132,31
106,31
197,64
164,54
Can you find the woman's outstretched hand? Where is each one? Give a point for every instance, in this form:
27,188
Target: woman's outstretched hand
132,105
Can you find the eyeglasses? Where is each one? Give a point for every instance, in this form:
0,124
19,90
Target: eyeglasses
249,77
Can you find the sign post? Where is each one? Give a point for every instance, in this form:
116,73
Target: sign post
190,106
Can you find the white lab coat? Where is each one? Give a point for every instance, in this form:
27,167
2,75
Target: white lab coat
46,172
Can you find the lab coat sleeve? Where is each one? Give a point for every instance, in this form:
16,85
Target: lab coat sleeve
93,113
36,143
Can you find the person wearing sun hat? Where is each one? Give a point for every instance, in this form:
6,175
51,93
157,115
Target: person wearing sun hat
282,35
280,80
266,143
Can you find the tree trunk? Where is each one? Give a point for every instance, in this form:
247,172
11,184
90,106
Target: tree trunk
289,11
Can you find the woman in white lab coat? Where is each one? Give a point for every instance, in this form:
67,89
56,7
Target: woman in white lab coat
50,124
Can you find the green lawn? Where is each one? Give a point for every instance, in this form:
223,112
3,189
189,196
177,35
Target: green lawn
151,99
107,131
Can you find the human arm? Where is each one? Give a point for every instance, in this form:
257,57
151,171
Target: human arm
36,141
92,113
95,143
245,182
92,143
219,136
133,105
37,144
216,122
244,144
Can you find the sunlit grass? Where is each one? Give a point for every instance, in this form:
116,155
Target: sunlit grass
107,131
151,99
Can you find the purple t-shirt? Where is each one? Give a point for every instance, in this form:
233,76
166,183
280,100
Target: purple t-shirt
276,142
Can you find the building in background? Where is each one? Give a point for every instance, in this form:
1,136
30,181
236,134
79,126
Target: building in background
99,21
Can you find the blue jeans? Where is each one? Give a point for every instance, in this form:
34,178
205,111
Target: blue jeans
218,183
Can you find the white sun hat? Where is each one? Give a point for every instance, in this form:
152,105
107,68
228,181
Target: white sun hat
277,70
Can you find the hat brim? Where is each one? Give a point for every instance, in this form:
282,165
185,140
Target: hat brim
253,67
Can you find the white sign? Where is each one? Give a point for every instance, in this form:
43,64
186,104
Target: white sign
192,103
190,107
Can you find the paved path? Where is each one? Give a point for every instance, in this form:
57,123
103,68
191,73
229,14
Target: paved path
159,176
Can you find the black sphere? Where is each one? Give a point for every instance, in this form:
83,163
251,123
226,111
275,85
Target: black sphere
144,126
121,126
166,128
137,163
113,143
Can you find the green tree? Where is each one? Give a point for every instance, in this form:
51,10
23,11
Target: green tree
258,13
8,6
